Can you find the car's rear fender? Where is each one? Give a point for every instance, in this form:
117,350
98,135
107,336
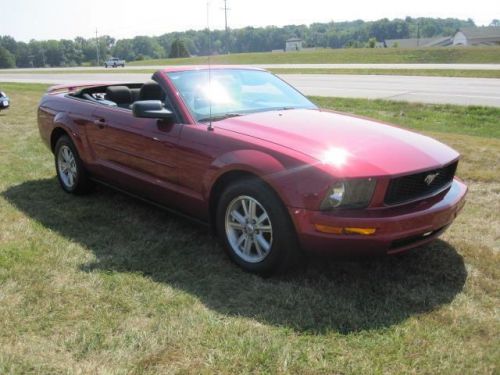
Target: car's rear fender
64,124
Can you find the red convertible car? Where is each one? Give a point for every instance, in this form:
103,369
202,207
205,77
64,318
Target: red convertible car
271,173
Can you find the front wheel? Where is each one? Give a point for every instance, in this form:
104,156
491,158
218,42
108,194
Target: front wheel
69,167
256,229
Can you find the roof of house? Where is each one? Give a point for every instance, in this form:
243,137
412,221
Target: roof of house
294,40
418,42
481,32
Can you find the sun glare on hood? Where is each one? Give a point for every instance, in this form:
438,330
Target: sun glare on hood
335,156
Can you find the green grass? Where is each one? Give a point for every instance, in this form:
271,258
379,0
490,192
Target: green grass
348,55
106,284
476,73
445,118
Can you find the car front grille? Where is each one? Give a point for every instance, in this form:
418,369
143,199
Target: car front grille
420,185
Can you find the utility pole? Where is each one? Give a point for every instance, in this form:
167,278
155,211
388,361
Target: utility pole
227,29
97,47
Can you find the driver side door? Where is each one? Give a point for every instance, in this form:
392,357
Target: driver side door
135,154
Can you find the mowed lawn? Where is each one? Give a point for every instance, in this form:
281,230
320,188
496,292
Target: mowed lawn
450,55
107,284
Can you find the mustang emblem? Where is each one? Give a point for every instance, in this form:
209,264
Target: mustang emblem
430,177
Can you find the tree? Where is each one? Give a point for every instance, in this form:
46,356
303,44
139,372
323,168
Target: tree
9,43
178,49
23,56
354,34
147,47
6,59
54,54
124,49
495,23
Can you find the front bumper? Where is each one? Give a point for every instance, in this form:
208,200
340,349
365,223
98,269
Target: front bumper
4,103
397,228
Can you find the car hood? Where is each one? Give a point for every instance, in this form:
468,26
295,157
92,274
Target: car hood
346,145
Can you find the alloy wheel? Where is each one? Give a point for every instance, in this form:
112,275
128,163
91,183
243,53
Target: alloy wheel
248,228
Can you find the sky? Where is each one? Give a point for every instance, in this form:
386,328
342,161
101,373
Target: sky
65,19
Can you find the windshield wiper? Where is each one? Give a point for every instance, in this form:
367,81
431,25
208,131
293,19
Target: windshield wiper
219,117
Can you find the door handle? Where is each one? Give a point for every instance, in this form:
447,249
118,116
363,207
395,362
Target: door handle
101,123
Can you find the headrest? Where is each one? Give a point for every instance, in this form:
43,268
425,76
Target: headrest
119,94
151,91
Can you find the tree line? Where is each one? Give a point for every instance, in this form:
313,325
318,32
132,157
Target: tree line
352,34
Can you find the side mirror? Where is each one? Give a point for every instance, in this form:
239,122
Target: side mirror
151,109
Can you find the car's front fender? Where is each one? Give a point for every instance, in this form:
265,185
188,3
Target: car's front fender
294,185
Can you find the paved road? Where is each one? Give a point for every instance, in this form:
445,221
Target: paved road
446,90
452,90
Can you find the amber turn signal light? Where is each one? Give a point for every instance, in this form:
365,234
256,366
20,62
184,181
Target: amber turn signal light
340,230
363,231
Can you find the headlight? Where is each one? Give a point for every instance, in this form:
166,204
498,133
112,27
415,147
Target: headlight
349,194
334,197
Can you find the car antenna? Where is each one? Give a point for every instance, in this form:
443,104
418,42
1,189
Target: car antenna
210,127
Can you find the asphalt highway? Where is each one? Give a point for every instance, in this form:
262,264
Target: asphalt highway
443,90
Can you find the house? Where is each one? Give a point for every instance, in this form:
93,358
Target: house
293,44
475,36
440,41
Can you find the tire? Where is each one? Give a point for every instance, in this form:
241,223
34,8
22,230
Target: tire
264,248
71,173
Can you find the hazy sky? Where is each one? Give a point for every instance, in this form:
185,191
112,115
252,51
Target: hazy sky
57,19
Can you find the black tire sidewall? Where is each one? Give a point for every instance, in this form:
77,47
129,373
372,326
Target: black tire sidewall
284,247
80,180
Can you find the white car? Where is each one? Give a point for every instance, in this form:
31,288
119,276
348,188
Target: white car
114,62
4,101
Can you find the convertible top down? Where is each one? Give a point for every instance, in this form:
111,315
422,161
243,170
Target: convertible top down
240,149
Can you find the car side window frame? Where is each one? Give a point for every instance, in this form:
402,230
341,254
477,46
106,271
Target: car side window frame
170,96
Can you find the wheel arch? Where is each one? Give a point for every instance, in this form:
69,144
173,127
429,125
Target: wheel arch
240,165
57,133
64,125
218,187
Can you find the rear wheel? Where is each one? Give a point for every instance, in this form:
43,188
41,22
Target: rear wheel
69,167
256,229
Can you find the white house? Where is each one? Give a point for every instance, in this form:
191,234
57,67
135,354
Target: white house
293,44
474,36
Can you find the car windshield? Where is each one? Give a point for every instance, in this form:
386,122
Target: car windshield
223,93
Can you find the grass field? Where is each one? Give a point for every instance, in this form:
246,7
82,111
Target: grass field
402,72
448,55
106,284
